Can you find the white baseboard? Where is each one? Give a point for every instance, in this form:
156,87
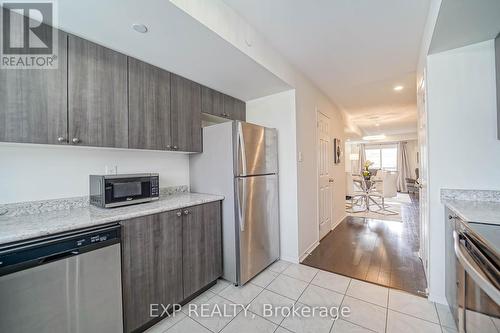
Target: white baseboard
336,224
437,299
309,250
290,259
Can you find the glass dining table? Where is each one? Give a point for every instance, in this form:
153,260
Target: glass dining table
368,187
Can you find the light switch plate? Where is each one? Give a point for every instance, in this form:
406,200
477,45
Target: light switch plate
300,156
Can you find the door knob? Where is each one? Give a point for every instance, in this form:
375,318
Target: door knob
169,146
61,139
76,140
186,212
175,147
330,180
179,214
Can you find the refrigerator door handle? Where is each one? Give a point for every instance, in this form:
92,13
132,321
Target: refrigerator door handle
241,203
242,158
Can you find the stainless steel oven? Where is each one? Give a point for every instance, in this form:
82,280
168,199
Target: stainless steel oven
119,190
477,277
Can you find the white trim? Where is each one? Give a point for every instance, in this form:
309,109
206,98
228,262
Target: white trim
440,300
308,251
290,259
336,224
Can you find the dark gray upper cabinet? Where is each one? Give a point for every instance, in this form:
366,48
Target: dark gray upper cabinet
239,110
221,105
151,265
234,108
149,106
497,61
33,105
212,102
97,95
202,246
185,114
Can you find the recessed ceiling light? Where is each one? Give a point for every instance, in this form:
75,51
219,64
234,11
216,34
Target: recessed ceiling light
374,137
140,28
398,88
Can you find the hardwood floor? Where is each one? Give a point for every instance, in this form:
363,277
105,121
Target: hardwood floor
377,251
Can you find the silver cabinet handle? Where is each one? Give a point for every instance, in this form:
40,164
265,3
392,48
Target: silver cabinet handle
175,147
179,214
76,140
186,212
61,139
169,146
479,278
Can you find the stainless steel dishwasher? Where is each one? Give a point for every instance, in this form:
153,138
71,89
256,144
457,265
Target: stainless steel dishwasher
65,283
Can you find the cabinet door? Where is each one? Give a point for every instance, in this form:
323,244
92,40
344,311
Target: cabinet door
149,106
202,247
97,90
186,114
240,110
234,108
33,104
151,265
212,102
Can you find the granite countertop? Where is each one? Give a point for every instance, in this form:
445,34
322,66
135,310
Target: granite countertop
22,227
475,211
473,206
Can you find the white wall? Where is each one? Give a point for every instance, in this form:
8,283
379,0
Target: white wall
464,152
224,21
39,172
278,111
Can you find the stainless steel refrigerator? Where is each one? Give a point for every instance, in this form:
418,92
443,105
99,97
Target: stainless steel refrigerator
240,162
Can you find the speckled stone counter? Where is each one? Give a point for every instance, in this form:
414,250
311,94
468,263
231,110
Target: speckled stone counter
473,205
17,227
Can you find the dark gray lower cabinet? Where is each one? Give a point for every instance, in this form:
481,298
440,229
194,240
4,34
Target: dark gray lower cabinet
97,95
185,114
33,102
168,257
151,265
202,249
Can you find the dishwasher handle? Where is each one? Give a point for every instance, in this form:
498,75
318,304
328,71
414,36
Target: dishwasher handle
58,256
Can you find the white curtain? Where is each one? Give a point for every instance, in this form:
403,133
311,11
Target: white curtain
403,167
362,158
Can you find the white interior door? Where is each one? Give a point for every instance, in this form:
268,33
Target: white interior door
423,177
324,181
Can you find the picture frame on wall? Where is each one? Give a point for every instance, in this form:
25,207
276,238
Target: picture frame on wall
337,151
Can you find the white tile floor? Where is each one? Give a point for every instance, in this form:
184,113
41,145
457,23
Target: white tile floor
373,308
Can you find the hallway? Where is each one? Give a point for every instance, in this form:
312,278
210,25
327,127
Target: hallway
378,251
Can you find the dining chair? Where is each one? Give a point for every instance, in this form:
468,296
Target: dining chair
385,186
355,191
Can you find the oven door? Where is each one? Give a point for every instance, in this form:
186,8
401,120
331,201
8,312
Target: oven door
124,190
478,295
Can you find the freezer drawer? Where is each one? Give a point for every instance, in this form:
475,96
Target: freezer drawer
256,150
257,224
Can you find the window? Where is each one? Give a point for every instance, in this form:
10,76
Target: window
383,157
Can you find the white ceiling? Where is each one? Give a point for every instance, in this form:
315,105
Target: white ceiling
175,42
355,51
465,22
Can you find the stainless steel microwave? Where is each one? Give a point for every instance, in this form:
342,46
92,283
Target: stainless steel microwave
108,191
